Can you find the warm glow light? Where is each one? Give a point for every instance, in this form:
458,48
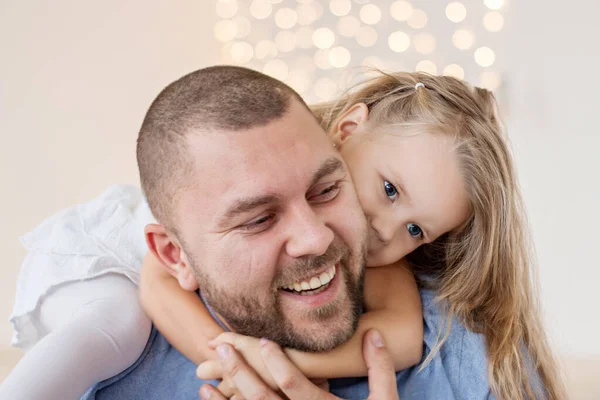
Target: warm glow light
374,62
242,27
325,88
275,1
399,41
323,38
370,14
225,30
340,7
424,43
339,57
426,66
348,26
241,52
265,49
227,8
454,70
485,56
456,12
260,9
418,19
285,18
463,39
366,36
494,4
401,10
298,80
304,37
278,69
286,41
493,21
490,80
307,14
305,63
322,59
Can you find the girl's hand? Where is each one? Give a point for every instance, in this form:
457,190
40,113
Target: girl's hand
249,348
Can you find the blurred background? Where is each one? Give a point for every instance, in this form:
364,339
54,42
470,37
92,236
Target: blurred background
77,78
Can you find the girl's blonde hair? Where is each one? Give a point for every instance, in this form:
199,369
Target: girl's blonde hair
483,270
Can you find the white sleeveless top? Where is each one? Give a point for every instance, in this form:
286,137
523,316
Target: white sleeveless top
105,235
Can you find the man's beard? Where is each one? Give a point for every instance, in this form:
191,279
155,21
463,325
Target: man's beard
247,315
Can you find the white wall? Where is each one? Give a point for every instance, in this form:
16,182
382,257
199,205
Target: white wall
551,64
76,80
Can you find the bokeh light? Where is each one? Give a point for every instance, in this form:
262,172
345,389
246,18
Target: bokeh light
463,39
456,12
493,21
490,80
417,19
454,70
339,57
227,8
399,41
286,18
426,66
340,8
494,4
225,30
260,9
366,36
370,14
401,10
278,69
485,56
323,38
241,52
322,59
242,27
348,26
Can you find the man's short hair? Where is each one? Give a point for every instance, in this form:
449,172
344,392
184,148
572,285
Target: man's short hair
211,99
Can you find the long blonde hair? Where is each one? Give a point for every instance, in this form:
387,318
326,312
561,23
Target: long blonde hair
483,270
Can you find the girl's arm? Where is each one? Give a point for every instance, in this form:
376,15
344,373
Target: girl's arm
393,307
178,314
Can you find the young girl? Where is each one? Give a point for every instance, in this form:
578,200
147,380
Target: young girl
433,174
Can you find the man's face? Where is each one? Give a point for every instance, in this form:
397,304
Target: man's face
272,227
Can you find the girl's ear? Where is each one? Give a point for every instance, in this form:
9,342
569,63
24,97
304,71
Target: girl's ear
347,124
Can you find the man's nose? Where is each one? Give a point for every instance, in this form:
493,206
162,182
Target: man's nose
308,233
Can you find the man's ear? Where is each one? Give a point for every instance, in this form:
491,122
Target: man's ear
171,256
346,125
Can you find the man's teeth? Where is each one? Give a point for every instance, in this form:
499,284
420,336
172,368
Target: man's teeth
313,283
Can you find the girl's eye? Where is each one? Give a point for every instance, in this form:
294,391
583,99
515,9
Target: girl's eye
414,230
390,191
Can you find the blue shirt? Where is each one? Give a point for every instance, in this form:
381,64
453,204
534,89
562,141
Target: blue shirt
457,371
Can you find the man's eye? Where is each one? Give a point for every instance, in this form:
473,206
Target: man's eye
260,223
326,194
390,191
414,230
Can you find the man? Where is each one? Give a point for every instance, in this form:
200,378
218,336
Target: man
250,197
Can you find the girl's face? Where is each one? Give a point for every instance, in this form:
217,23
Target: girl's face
410,187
